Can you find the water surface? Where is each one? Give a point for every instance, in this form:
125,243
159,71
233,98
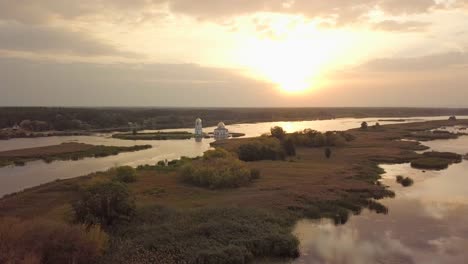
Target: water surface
426,223
13,179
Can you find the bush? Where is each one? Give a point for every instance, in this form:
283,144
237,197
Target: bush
312,138
217,173
125,174
261,149
41,241
217,153
364,125
104,204
405,182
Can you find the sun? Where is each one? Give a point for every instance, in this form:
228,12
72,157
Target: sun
292,58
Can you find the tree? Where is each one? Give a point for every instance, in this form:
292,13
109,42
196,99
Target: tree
104,204
278,132
364,125
328,153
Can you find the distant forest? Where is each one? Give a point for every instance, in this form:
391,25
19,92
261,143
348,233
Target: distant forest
54,118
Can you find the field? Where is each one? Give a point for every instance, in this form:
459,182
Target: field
307,185
64,151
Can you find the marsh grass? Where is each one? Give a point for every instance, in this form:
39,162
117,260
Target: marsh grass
208,235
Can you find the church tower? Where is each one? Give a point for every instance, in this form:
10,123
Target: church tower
198,128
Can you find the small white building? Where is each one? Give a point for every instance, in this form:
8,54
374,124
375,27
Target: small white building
198,128
221,132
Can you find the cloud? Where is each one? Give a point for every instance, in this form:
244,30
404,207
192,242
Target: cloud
28,82
29,38
443,61
327,243
32,11
402,26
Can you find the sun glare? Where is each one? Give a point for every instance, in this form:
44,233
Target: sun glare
293,57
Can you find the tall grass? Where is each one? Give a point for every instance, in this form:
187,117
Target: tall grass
45,242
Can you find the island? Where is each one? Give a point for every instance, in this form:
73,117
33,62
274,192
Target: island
64,151
238,202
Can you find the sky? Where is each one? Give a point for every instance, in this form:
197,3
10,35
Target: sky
234,53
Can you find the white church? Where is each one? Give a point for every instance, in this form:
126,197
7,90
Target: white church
220,132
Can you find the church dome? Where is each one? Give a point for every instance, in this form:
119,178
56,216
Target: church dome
221,125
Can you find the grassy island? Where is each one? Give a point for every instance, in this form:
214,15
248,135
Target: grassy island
155,135
436,160
237,212
64,151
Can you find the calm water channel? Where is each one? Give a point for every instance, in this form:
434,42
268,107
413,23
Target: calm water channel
427,222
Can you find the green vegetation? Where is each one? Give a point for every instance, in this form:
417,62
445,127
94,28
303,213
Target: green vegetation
431,135
431,163
364,125
264,148
436,160
208,235
404,181
64,151
125,174
278,132
155,136
218,169
312,138
54,118
104,204
176,222
44,241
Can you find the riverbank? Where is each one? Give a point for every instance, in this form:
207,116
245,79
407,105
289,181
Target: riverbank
64,151
308,185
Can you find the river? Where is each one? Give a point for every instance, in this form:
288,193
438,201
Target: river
427,222
13,179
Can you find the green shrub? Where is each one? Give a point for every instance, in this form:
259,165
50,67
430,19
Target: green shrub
104,204
42,241
216,173
208,235
312,138
261,149
125,174
404,181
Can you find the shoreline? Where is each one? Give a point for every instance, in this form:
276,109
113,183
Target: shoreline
305,186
